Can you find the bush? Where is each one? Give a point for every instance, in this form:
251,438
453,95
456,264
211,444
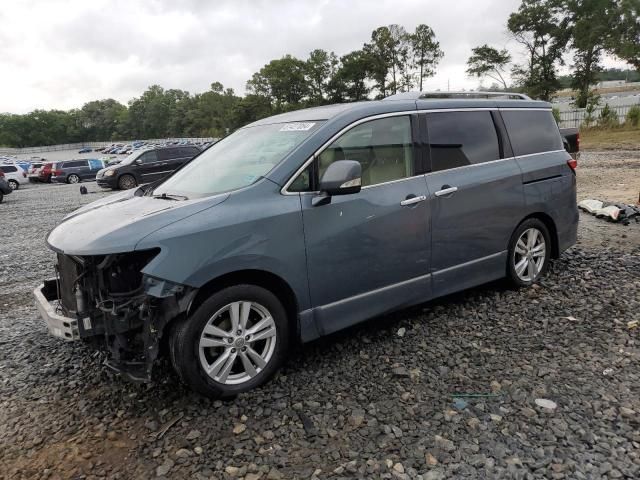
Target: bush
608,117
556,114
633,116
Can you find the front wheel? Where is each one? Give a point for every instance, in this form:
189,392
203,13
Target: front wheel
529,252
235,341
126,182
13,185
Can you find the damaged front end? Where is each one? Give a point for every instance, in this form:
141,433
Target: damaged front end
106,300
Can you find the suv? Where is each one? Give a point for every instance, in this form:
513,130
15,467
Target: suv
305,223
144,166
75,171
14,175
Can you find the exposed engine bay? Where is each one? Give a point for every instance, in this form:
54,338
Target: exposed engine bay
117,307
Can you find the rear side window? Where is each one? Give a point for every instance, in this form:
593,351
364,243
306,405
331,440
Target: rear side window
75,164
8,169
167,153
532,131
458,139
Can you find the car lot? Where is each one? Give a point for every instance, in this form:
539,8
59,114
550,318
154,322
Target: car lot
378,400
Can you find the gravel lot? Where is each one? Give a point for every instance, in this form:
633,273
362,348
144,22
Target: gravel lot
489,383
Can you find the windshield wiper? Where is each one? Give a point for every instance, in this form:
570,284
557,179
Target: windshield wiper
171,196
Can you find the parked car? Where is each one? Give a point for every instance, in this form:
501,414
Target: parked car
305,223
44,175
34,172
571,141
14,175
144,166
85,150
76,171
5,189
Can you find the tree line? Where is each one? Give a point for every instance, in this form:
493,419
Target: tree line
393,60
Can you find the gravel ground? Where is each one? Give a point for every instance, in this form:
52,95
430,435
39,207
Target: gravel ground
489,383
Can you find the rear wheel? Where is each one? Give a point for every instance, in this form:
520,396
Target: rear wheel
73,178
13,185
529,252
235,341
126,182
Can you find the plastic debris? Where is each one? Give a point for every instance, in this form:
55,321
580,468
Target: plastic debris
460,403
614,212
632,324
607,371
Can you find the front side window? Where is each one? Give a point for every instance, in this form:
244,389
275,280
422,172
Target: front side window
238,160
383,147
458,139
148,157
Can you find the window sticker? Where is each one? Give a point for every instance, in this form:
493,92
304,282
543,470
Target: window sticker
297,126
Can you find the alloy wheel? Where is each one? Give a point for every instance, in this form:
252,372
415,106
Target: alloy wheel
529,255
237,342
73,179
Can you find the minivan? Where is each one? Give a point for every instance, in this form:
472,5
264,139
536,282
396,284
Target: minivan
305,223
145,166
75,171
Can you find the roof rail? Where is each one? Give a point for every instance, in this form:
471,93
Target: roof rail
444,95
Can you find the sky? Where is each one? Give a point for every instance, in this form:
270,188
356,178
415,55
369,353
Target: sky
61,54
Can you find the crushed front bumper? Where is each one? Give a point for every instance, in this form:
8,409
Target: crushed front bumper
46,296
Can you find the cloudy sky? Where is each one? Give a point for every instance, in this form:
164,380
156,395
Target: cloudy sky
63,53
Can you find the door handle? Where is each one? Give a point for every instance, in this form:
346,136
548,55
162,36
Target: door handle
413,200
446,190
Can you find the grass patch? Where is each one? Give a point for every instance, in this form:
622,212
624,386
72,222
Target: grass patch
610,139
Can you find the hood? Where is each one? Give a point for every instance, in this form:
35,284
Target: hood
117,223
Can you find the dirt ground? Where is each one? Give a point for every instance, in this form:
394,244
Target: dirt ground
612,176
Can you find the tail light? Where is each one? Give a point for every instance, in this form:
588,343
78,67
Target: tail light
1,174
573,164
57,173
24,174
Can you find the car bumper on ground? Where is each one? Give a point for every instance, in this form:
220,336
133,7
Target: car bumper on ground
59,325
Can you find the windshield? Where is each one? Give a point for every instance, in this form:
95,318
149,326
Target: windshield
238,160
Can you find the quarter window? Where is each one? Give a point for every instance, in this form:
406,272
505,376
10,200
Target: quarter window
458,139
532,131
383,147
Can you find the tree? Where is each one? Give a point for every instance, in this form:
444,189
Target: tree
283,81
590,24
349,83
486,61
379,53
624,40
319,68
426,52
541,28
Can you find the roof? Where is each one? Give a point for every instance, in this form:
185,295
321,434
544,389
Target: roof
408,101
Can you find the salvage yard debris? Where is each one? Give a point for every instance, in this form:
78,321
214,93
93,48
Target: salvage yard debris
613,212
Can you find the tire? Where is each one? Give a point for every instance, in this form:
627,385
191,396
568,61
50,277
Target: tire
13,185
227,381
527,261
126,182
73,178
1,197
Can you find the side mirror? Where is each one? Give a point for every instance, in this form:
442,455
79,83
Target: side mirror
342,177
138,162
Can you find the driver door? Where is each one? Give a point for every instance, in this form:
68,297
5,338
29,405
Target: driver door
368,253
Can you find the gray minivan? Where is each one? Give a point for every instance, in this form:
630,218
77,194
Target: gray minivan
305,223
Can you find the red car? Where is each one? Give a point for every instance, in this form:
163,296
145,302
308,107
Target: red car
45,172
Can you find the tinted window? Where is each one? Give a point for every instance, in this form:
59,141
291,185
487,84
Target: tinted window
8,169
302,183
383,147
166,153
532,131
458,139
188,152
75,164
148,157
